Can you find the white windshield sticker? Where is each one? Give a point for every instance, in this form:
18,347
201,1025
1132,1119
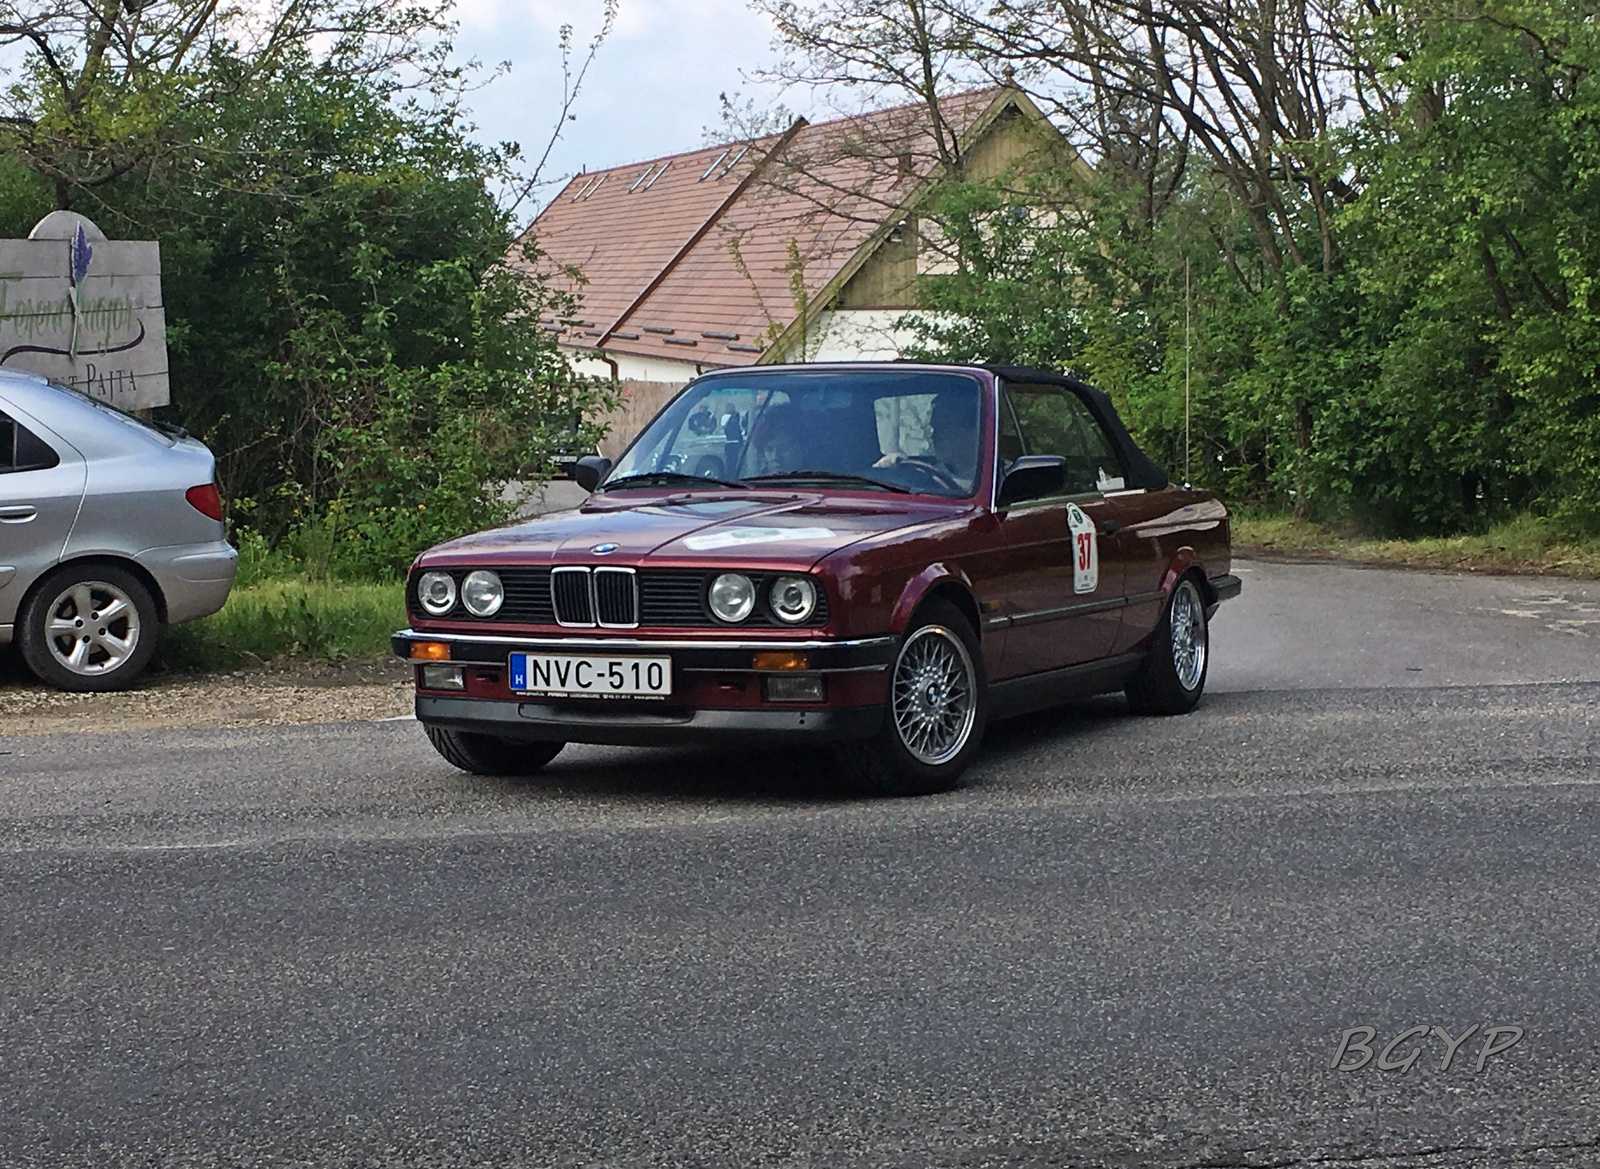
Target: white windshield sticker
1085,551
734,537
1109,482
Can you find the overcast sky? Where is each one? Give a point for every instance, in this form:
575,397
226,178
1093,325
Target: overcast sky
651,91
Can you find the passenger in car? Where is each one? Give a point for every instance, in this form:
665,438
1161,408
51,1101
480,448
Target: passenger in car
775,442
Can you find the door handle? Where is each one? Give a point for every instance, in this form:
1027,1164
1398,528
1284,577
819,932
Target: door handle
1109,527
20,514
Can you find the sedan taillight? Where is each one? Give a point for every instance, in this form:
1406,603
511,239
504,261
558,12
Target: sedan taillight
206,500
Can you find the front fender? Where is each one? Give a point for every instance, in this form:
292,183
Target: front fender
916,590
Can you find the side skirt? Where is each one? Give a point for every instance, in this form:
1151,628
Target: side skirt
1053,687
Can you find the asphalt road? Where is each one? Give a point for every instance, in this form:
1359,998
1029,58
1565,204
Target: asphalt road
1127,942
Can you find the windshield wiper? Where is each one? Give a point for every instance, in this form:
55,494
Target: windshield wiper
830,477
644,477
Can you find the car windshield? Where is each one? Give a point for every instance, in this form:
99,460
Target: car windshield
893,430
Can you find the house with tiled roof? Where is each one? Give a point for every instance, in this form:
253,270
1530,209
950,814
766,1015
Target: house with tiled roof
800,246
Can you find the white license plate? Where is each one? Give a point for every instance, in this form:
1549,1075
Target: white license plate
591,677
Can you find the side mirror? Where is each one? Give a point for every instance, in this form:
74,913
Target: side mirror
1033,477
589,470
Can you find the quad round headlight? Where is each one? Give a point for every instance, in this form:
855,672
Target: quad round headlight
437,592
482,593
733,596
793,598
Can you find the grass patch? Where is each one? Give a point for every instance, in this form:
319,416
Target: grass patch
292,618
1526,544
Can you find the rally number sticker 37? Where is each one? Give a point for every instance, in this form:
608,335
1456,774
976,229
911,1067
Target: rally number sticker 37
1085,551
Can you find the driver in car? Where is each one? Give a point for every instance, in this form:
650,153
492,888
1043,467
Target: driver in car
952,453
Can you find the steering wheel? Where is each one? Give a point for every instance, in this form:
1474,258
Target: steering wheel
931,469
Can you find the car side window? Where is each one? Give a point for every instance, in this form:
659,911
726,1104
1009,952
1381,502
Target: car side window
1011,448
1055,421
22,450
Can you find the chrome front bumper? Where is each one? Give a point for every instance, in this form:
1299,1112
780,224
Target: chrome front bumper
632,724
722,655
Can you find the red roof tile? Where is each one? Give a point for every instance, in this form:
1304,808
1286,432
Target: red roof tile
710,241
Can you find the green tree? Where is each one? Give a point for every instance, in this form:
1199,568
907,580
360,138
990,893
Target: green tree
1480,234
343,328
96,90
1383,221
348,338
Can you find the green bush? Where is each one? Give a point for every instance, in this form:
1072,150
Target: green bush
344,329
283,619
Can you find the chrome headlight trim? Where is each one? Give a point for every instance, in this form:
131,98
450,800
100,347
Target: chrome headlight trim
732,597
482,593
792,599
436,593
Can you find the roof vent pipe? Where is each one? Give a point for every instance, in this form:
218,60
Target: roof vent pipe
714,165
659,173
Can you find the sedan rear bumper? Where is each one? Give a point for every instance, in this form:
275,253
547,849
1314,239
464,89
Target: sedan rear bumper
195,579
560,722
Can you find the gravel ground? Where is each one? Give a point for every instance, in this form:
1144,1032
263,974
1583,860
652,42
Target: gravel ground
308,692
1373,628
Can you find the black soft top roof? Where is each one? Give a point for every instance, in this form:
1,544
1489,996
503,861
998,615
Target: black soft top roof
1142,470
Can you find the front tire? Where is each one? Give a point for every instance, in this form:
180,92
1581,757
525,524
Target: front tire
490,755
935,714
1173,674
89,629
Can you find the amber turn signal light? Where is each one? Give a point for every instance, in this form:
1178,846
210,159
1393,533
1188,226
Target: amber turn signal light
430,651
784,660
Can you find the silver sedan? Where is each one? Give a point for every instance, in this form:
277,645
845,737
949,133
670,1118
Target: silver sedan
110,526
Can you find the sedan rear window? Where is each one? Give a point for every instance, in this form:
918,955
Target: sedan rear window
167,434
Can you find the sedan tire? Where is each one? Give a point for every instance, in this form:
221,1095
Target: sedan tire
489,755
1174,671
934,716
88,628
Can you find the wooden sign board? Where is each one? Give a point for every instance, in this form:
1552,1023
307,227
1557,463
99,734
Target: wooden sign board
85,311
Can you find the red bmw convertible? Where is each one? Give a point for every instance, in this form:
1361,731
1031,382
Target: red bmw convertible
880,557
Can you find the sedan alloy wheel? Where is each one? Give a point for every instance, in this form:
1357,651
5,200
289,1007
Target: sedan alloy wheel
89,627
92,628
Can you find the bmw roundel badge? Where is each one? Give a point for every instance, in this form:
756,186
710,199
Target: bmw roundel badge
602,549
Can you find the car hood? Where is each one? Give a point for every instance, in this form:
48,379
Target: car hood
788,530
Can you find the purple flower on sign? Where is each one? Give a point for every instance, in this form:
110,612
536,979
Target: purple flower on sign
82,253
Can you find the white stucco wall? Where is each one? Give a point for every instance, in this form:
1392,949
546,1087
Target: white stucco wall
629,368
862,334
837,335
